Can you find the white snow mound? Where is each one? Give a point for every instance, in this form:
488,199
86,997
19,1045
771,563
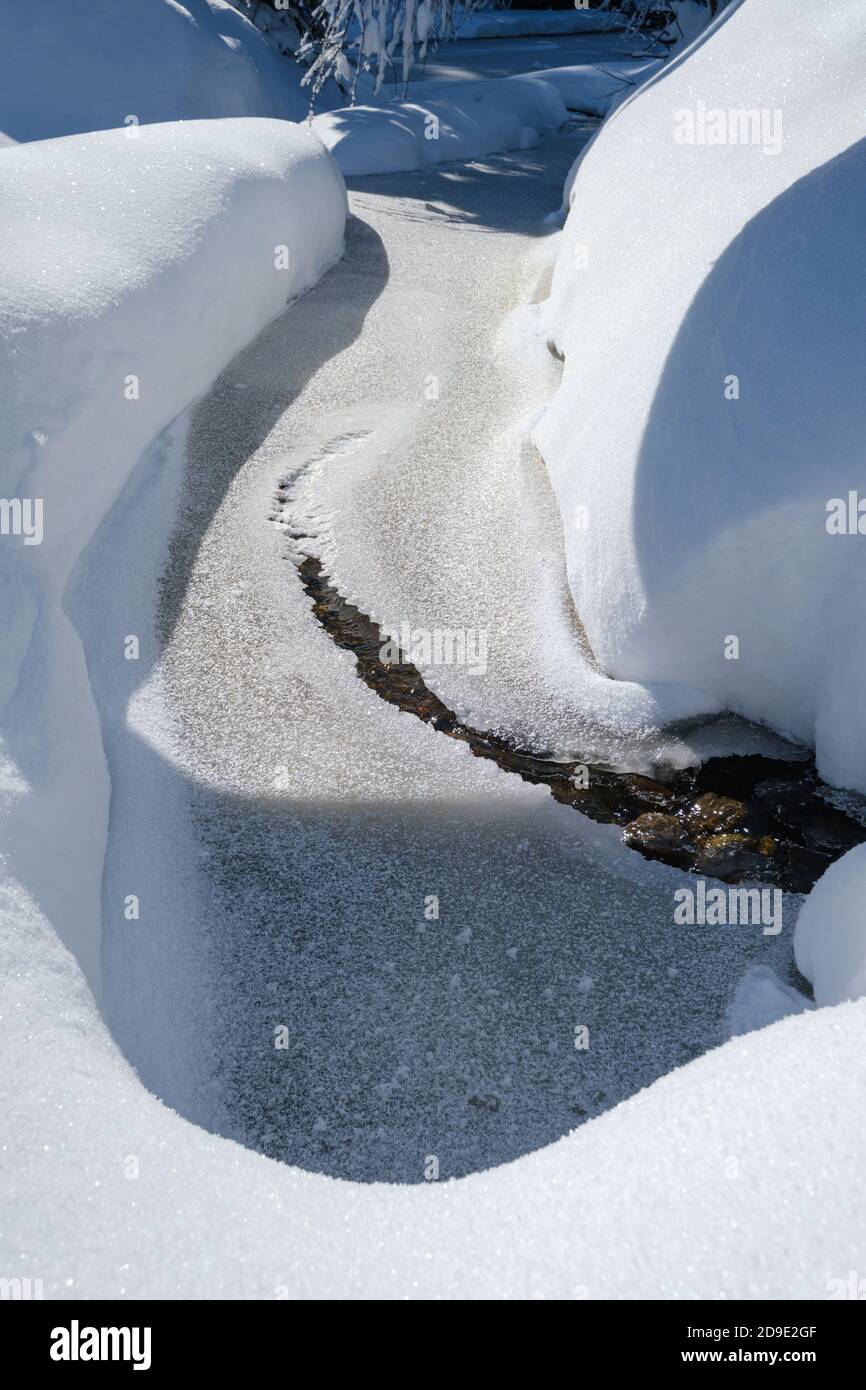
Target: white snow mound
474,119
710,301
830,936
73,65
179,243
597,88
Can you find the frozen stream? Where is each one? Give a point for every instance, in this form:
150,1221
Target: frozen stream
309,831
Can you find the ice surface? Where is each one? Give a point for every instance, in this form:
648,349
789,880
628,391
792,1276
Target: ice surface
691,518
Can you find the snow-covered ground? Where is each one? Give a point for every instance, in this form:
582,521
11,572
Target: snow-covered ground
321,927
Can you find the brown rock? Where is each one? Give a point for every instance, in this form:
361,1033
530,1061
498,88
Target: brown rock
655,833
730,857
711,814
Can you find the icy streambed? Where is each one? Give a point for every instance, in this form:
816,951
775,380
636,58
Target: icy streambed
737,818
360,949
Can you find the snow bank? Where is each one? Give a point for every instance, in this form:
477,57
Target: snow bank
597,88
518,24
74,65
711,405
762,998
179,242
476,118
830,937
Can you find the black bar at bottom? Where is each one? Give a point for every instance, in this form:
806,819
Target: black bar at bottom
156,1338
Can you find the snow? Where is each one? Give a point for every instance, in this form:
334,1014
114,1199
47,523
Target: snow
472,120
739,1175
762,998
460,60
830,939
597,88
280,829
401,526
322,818
166,227
707,516
68,66
282,839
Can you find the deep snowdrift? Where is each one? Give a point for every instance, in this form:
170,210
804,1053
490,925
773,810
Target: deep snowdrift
178,245
711,405
74,65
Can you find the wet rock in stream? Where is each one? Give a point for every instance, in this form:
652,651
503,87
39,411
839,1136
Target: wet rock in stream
659,836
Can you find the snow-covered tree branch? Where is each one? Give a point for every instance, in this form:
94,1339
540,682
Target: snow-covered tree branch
384,38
